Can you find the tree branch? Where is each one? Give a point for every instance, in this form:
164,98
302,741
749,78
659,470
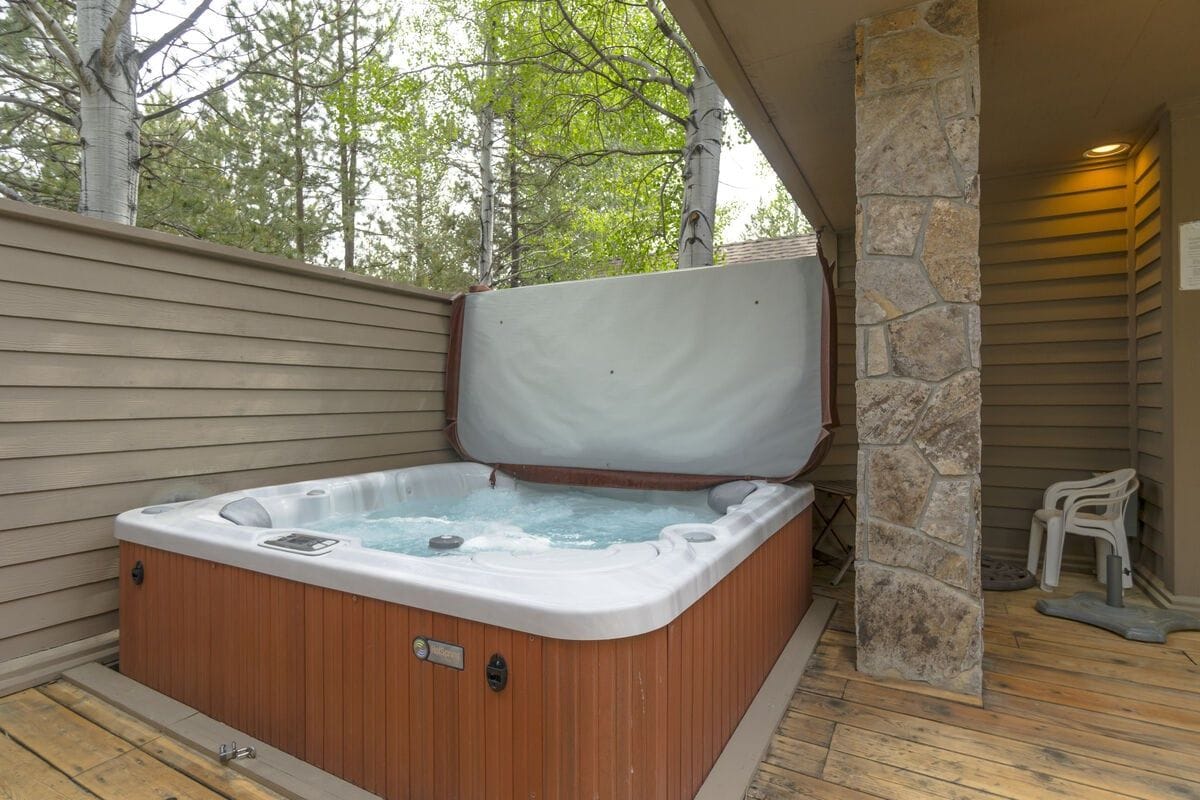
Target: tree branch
36,106
11,193
672,34
606,58
56,41
173,34
112,33
655,76
210,91
37,80
252,68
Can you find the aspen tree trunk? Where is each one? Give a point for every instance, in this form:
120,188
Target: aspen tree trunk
701,170
419,251
297,139
109,124
487,181
514,196
348,138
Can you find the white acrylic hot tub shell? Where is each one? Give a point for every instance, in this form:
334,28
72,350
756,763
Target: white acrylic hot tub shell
622,590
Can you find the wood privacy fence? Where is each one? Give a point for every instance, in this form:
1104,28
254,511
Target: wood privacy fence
138,367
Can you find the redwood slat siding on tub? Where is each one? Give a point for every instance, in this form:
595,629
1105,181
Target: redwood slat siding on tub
330,677
138,367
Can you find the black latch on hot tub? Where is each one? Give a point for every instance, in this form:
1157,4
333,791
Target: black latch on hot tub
497,673
138,574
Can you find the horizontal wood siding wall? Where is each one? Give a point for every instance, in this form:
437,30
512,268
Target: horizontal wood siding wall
1148,313
840,463
1055,343
138,368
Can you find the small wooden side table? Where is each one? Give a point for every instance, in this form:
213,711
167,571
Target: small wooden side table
844,492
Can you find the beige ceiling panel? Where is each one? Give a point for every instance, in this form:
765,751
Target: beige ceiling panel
1058,76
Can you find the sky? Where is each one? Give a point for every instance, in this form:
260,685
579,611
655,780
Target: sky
746,180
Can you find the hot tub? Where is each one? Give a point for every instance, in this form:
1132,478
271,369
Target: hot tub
624,668
540,665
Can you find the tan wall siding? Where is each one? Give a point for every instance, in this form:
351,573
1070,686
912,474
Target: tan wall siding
1146,308
1055,357
1055,339
138,368
840,463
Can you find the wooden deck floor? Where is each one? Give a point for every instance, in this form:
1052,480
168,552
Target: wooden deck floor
58,742
1069,711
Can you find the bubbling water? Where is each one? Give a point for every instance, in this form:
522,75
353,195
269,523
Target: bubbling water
521,520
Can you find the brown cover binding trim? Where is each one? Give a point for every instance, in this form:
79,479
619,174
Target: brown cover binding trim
829,415
458,304
616,479
828,346
629,479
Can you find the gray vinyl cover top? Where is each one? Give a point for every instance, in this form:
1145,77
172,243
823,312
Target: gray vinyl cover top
717,371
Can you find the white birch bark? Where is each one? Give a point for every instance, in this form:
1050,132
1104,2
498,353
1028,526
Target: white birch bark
109,125
704,131
487,180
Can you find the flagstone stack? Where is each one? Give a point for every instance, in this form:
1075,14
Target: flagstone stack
919,604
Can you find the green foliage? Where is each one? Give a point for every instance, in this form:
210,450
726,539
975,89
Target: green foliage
597,148
778,217
426,238
359,121
39,151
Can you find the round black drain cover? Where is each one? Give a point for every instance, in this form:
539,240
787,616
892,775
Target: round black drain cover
445,542
1004,576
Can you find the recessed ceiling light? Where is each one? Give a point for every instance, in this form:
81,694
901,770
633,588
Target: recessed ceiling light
1105,150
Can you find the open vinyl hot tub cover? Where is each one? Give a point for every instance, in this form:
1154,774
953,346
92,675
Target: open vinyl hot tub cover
672,380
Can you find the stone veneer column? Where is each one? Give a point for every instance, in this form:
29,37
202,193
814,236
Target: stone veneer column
919,604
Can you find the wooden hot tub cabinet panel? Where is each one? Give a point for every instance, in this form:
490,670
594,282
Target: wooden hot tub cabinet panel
330,677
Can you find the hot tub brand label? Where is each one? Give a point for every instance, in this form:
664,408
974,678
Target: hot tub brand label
435,652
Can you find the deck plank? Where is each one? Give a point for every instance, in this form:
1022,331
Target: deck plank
1179,678
838,661
139,776
24,776
1080,637
970,771
798,756
1069,695
60,742
204,769
772,782
1053,733
886,781
55,733
112,719
952,737
1131,660
804,728
1122,687
201,767
1068,711
1172,741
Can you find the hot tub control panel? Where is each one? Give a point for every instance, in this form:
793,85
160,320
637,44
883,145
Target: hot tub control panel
303,543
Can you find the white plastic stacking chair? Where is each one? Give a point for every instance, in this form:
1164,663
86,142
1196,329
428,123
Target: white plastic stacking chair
1094,507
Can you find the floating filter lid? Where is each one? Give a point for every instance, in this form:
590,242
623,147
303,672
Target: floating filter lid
679,379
